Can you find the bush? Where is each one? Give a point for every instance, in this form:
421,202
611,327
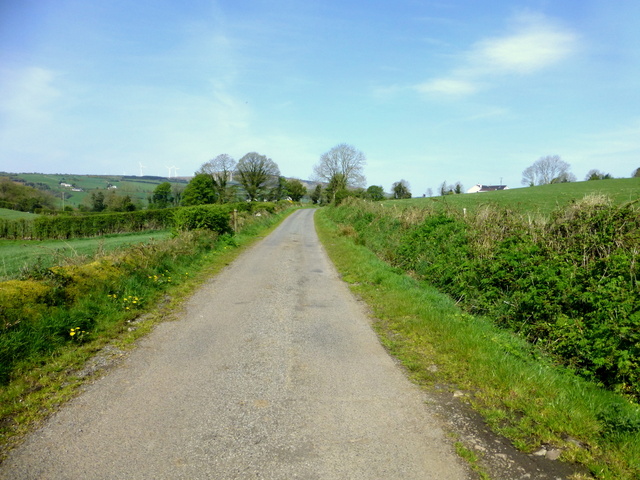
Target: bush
207,217
568,284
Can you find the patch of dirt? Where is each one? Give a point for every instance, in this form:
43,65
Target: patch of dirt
106,358
497,456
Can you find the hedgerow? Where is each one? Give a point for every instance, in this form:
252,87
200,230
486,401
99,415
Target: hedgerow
214,217
568,283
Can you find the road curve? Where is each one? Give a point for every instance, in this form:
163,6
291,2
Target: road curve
271,372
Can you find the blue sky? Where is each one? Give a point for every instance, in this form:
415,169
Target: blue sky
430,91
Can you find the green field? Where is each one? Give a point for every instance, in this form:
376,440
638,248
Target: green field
8,214
138,188
542,199
17,256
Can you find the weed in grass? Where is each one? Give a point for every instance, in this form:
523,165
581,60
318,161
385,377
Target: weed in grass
78,335
472,459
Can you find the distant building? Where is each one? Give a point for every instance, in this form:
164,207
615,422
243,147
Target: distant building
486,188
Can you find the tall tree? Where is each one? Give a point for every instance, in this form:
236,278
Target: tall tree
220,169
316,195
199,191
295,189
375,193
257,173
401,190
97,201
546,170
161,197
337,188
345,160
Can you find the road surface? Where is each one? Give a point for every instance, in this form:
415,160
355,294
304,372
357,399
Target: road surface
271,372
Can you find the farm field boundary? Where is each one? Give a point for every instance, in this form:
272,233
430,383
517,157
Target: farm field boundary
21,256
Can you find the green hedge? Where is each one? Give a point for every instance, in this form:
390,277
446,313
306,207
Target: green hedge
569,284
80,226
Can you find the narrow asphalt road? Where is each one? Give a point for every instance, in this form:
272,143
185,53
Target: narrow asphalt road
271,372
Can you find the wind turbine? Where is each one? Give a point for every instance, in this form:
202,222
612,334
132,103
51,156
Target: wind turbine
169,168
175,171
142,167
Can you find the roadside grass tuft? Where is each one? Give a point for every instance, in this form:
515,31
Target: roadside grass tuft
520,392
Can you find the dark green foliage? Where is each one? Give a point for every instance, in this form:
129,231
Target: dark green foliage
279,190
401,190
257,173
161,197
97,202
569,285
209,217
200,191
71,226
17,196
620,419
375,193
316,195
336,190
295,189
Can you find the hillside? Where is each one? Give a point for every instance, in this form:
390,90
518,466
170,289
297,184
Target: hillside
138,188
8,214
541,199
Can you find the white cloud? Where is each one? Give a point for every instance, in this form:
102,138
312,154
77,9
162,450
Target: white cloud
447,86
535,43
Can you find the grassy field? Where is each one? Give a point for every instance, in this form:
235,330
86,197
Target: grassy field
138,188
542,199
8,214
17,256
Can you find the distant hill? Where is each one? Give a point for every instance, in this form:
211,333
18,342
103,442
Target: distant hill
76,187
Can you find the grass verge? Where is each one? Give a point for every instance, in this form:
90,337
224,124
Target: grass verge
41,382
522,396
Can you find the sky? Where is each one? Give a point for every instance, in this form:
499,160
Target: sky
430,91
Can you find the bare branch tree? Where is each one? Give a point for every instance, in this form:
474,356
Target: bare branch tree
547,170
220,169
345,160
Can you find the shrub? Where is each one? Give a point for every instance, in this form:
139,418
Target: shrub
568,284
208,217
